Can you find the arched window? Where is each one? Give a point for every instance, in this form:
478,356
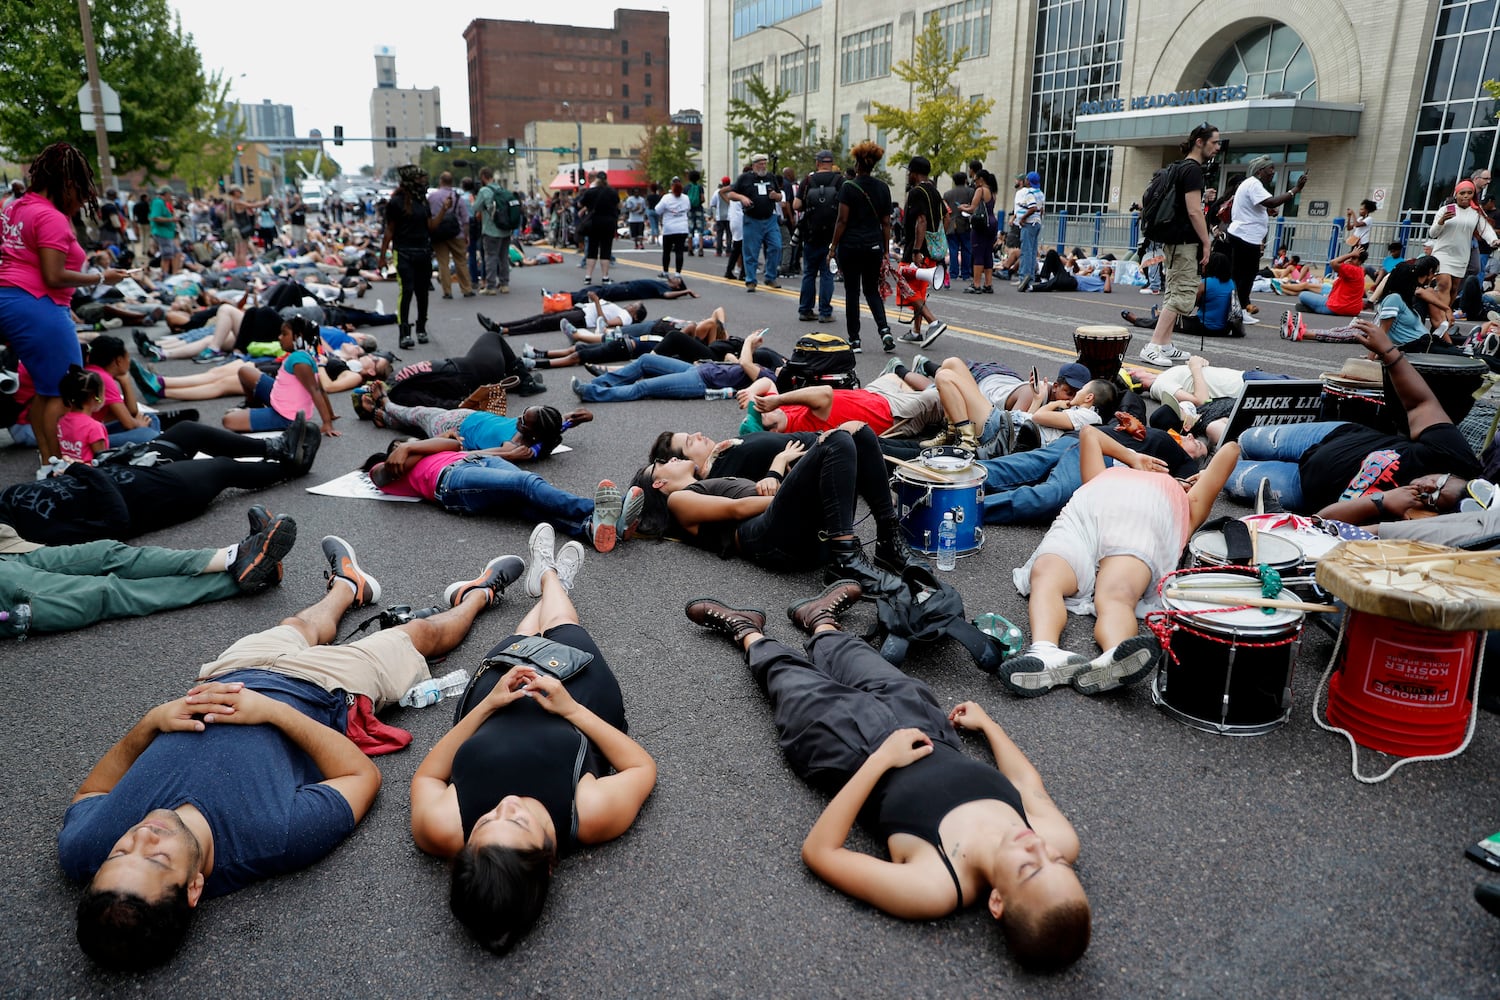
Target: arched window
1271,61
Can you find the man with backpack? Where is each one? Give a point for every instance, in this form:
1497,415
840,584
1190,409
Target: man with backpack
450,245
818,201
499,213
1172,215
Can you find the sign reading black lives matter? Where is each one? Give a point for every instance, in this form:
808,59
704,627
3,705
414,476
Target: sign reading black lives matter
1266,402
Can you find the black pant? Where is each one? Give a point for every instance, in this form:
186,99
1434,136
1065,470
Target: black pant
601,242
736,258
721,236
414,274
1244,261
1060,282
284,293
674,244
679,345
490,359
836,705
344,316
860,267
544,322
827,479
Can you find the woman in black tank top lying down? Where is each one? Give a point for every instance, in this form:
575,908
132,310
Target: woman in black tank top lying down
524,776
958,831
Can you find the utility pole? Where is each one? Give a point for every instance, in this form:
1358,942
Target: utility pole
91,60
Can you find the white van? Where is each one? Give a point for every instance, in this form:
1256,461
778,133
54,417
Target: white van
312,195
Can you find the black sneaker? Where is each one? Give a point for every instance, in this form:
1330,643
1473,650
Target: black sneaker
421,336
258,517
342,566
257,561
749,286
855,346
169,418
487,323
806,318
407,343
498,573
887,342
772,283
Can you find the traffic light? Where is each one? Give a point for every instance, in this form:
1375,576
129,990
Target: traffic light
221,185
444,140
390,137
338,135
249,175
473,147
510,145
239,147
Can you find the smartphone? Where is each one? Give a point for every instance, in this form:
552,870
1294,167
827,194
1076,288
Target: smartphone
1486,852
1035,381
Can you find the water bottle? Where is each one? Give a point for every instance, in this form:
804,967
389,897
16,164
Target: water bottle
16,622
725,393
947,551
434,690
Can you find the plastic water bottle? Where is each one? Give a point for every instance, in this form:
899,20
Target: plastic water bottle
947,551
434,690
16,622
725,393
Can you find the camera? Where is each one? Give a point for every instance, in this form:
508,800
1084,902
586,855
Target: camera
400,614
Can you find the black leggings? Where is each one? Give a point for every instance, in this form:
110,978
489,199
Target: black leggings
544,323
491,359
1060,282
414,275
674,244
736,257
833,473
860,267
344,316
676,344
284,293
1244,262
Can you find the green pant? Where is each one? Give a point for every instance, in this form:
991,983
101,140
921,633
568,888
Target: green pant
73,586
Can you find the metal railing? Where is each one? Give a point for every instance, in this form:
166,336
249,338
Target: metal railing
1316,241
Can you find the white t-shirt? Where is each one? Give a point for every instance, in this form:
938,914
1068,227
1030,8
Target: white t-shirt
1249,220
1220,382
1079,416
611,311
1361,228
1025,198
674,209
1450,241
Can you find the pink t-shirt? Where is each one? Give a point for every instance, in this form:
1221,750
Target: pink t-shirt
289,396
76,433
112,391
28,225
421,479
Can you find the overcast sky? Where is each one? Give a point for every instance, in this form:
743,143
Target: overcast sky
320,57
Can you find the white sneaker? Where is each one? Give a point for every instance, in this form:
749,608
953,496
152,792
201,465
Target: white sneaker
1163,354
1147,291
568,328
569,561
1249,320
542,558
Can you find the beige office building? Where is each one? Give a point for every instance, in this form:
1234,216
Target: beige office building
1380,100
409,116
617,142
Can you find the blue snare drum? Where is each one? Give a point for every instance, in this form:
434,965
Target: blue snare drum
921,503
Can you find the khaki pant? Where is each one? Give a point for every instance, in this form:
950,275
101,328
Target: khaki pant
454,252
383,666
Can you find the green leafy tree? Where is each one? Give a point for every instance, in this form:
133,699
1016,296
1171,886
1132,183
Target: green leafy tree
944,126
166,102
328,169
764,124
665,153
206,156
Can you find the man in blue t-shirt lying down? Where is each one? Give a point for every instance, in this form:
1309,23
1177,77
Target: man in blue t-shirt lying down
249,775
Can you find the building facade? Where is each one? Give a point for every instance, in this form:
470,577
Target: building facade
1372,100
266,121
411,116
524,71
616,145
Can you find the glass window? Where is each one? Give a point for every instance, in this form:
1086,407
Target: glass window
793,73
624,90
648,79
1270,60
865,55
739,80
624,67
965,25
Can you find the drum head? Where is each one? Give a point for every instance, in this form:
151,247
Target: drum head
1226,587
1209,548
1102,333
947,459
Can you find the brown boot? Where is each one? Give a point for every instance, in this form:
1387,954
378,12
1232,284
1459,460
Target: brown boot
824,609
733,622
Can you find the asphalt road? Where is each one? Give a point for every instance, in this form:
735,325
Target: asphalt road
1215,865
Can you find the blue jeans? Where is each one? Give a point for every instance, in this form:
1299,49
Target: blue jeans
1031,236
119,436
960,258
1314,303
650,376
816,275
1273,453
758,233
1031,485
493,485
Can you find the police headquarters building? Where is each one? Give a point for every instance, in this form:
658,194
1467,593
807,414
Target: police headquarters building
1380,100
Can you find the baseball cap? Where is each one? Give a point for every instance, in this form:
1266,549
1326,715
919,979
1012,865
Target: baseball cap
825,156
11,542
1020,177
1075,375
164,189
1034,179
723,181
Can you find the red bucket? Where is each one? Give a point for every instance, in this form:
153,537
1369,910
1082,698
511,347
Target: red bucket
1403,689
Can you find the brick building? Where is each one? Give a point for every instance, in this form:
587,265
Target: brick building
523,71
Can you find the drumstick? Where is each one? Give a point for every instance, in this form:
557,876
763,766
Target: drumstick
920,470
1254,546
1253,602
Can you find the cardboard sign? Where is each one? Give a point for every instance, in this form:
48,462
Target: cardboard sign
1267,402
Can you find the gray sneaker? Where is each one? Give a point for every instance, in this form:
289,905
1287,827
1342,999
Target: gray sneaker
542,558
568,562
1126,664
1035,672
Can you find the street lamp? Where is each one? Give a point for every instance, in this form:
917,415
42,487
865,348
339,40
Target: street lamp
806,43
578,181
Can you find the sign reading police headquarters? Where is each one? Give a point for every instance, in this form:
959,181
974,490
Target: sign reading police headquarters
1176,99
1267,402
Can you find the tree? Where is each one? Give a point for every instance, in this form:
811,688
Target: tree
328,169
763,123
665,153
166,102
944,126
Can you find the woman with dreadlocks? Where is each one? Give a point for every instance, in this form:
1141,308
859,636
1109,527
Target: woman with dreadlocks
409,223
41,263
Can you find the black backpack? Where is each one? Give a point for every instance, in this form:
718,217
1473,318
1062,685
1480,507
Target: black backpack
926,610
1160,221
820,359
820,204
448,228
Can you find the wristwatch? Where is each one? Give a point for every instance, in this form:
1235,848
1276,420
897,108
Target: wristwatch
1378,499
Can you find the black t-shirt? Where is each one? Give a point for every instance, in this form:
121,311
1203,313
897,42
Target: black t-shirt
751,458
652,199
924,201
1158,444
1328,466
109,218
758,188
718,536
406,218
1189,178
602,205
141,211
299,215
261,325
869,201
